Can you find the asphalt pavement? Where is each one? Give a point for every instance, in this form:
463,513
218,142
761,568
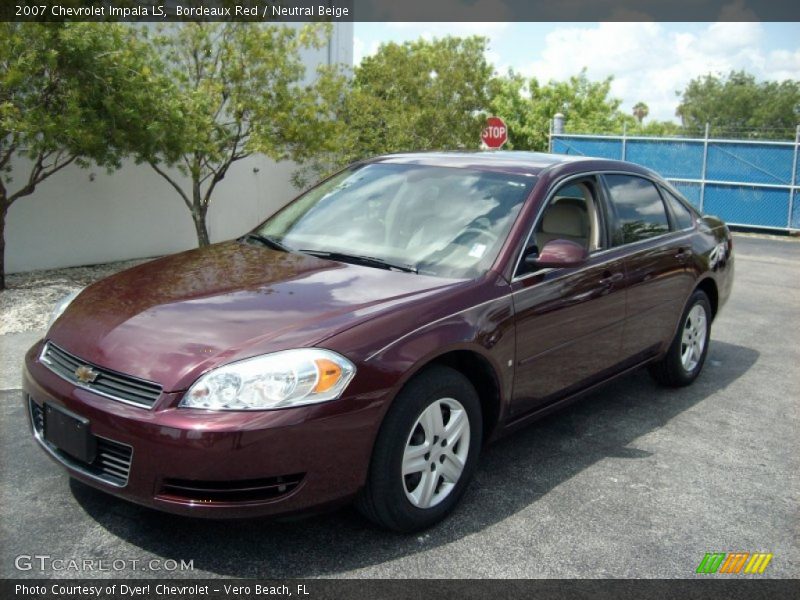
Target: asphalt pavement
633,481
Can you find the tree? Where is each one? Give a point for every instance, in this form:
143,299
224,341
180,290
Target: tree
239,89
69,94
527,107
661,128
510,99
739,105
640,111
420,95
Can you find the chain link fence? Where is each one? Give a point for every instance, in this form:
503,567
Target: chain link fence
749,183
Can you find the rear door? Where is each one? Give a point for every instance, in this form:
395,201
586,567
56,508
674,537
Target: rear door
568,321
657,253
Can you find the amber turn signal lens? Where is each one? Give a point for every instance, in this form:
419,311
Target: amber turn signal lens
329,374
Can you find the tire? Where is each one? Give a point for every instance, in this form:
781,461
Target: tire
431,452
687,352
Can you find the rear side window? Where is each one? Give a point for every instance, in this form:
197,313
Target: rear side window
683,216
639,210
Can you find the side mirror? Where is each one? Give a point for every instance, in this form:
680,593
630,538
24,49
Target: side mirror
558,254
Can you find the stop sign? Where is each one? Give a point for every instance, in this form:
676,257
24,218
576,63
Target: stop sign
495,134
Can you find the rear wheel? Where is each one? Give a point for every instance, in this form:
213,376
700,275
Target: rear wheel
687,353
425,453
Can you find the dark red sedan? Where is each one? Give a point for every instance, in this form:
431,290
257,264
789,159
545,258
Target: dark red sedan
368,339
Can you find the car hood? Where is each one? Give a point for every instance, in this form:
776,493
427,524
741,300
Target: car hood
171,319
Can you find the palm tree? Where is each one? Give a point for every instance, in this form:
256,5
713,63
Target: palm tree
640,111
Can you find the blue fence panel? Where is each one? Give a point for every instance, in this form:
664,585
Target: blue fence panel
588,147
670,158
690,191
797,166
750,163
765,168
746,205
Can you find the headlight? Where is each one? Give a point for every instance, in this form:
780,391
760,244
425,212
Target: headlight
279,380
61,306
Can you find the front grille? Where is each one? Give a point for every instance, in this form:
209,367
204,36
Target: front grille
111,384
243,490
37,415
112,461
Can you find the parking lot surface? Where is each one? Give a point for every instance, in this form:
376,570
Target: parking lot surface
632,481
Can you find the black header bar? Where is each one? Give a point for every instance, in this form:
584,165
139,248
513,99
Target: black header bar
400,10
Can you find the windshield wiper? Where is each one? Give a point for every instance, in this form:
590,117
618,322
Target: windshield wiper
268,241
367,261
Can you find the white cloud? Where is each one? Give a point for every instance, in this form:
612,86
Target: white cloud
360,49
784,64
650,63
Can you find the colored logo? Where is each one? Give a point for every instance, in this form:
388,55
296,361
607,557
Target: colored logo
85,374
734,562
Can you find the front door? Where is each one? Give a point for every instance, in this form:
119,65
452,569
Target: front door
569,321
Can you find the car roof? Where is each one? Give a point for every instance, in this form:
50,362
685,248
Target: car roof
508,161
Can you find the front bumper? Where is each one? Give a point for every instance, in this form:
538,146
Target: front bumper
214,464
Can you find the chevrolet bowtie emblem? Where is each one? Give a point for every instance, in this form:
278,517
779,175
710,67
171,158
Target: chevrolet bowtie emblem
85,374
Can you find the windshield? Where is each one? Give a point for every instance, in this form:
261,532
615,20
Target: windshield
442,221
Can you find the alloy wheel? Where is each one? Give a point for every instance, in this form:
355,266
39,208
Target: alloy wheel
435,453
693,340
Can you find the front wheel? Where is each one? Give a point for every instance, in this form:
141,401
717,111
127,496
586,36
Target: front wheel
425,453
687,353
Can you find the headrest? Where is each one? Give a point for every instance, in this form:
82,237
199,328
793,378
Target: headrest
565,218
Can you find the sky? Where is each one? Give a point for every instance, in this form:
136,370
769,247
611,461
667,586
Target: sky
649,61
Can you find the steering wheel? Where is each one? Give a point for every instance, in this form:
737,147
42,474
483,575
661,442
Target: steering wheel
478,232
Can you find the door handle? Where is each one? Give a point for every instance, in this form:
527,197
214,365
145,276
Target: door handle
610,279
683,254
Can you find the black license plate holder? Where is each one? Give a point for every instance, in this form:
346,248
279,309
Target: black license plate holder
69,432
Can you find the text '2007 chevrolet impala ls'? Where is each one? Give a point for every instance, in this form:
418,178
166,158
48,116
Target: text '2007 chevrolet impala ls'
366,341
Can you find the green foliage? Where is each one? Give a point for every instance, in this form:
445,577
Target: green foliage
527,107
69,93
659,128
78,90
194,98
586,104
737,105
640,111
238,89
510,99
420,95
635,125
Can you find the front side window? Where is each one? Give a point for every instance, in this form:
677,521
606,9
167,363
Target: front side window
639,210
572,213
442,221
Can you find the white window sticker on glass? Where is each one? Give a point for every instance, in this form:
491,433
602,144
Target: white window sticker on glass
477,250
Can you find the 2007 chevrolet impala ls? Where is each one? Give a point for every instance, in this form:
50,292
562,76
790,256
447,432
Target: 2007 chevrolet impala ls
369,338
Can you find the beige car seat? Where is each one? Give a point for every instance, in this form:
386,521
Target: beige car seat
564,219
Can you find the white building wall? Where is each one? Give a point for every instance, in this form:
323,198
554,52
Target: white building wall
85,216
